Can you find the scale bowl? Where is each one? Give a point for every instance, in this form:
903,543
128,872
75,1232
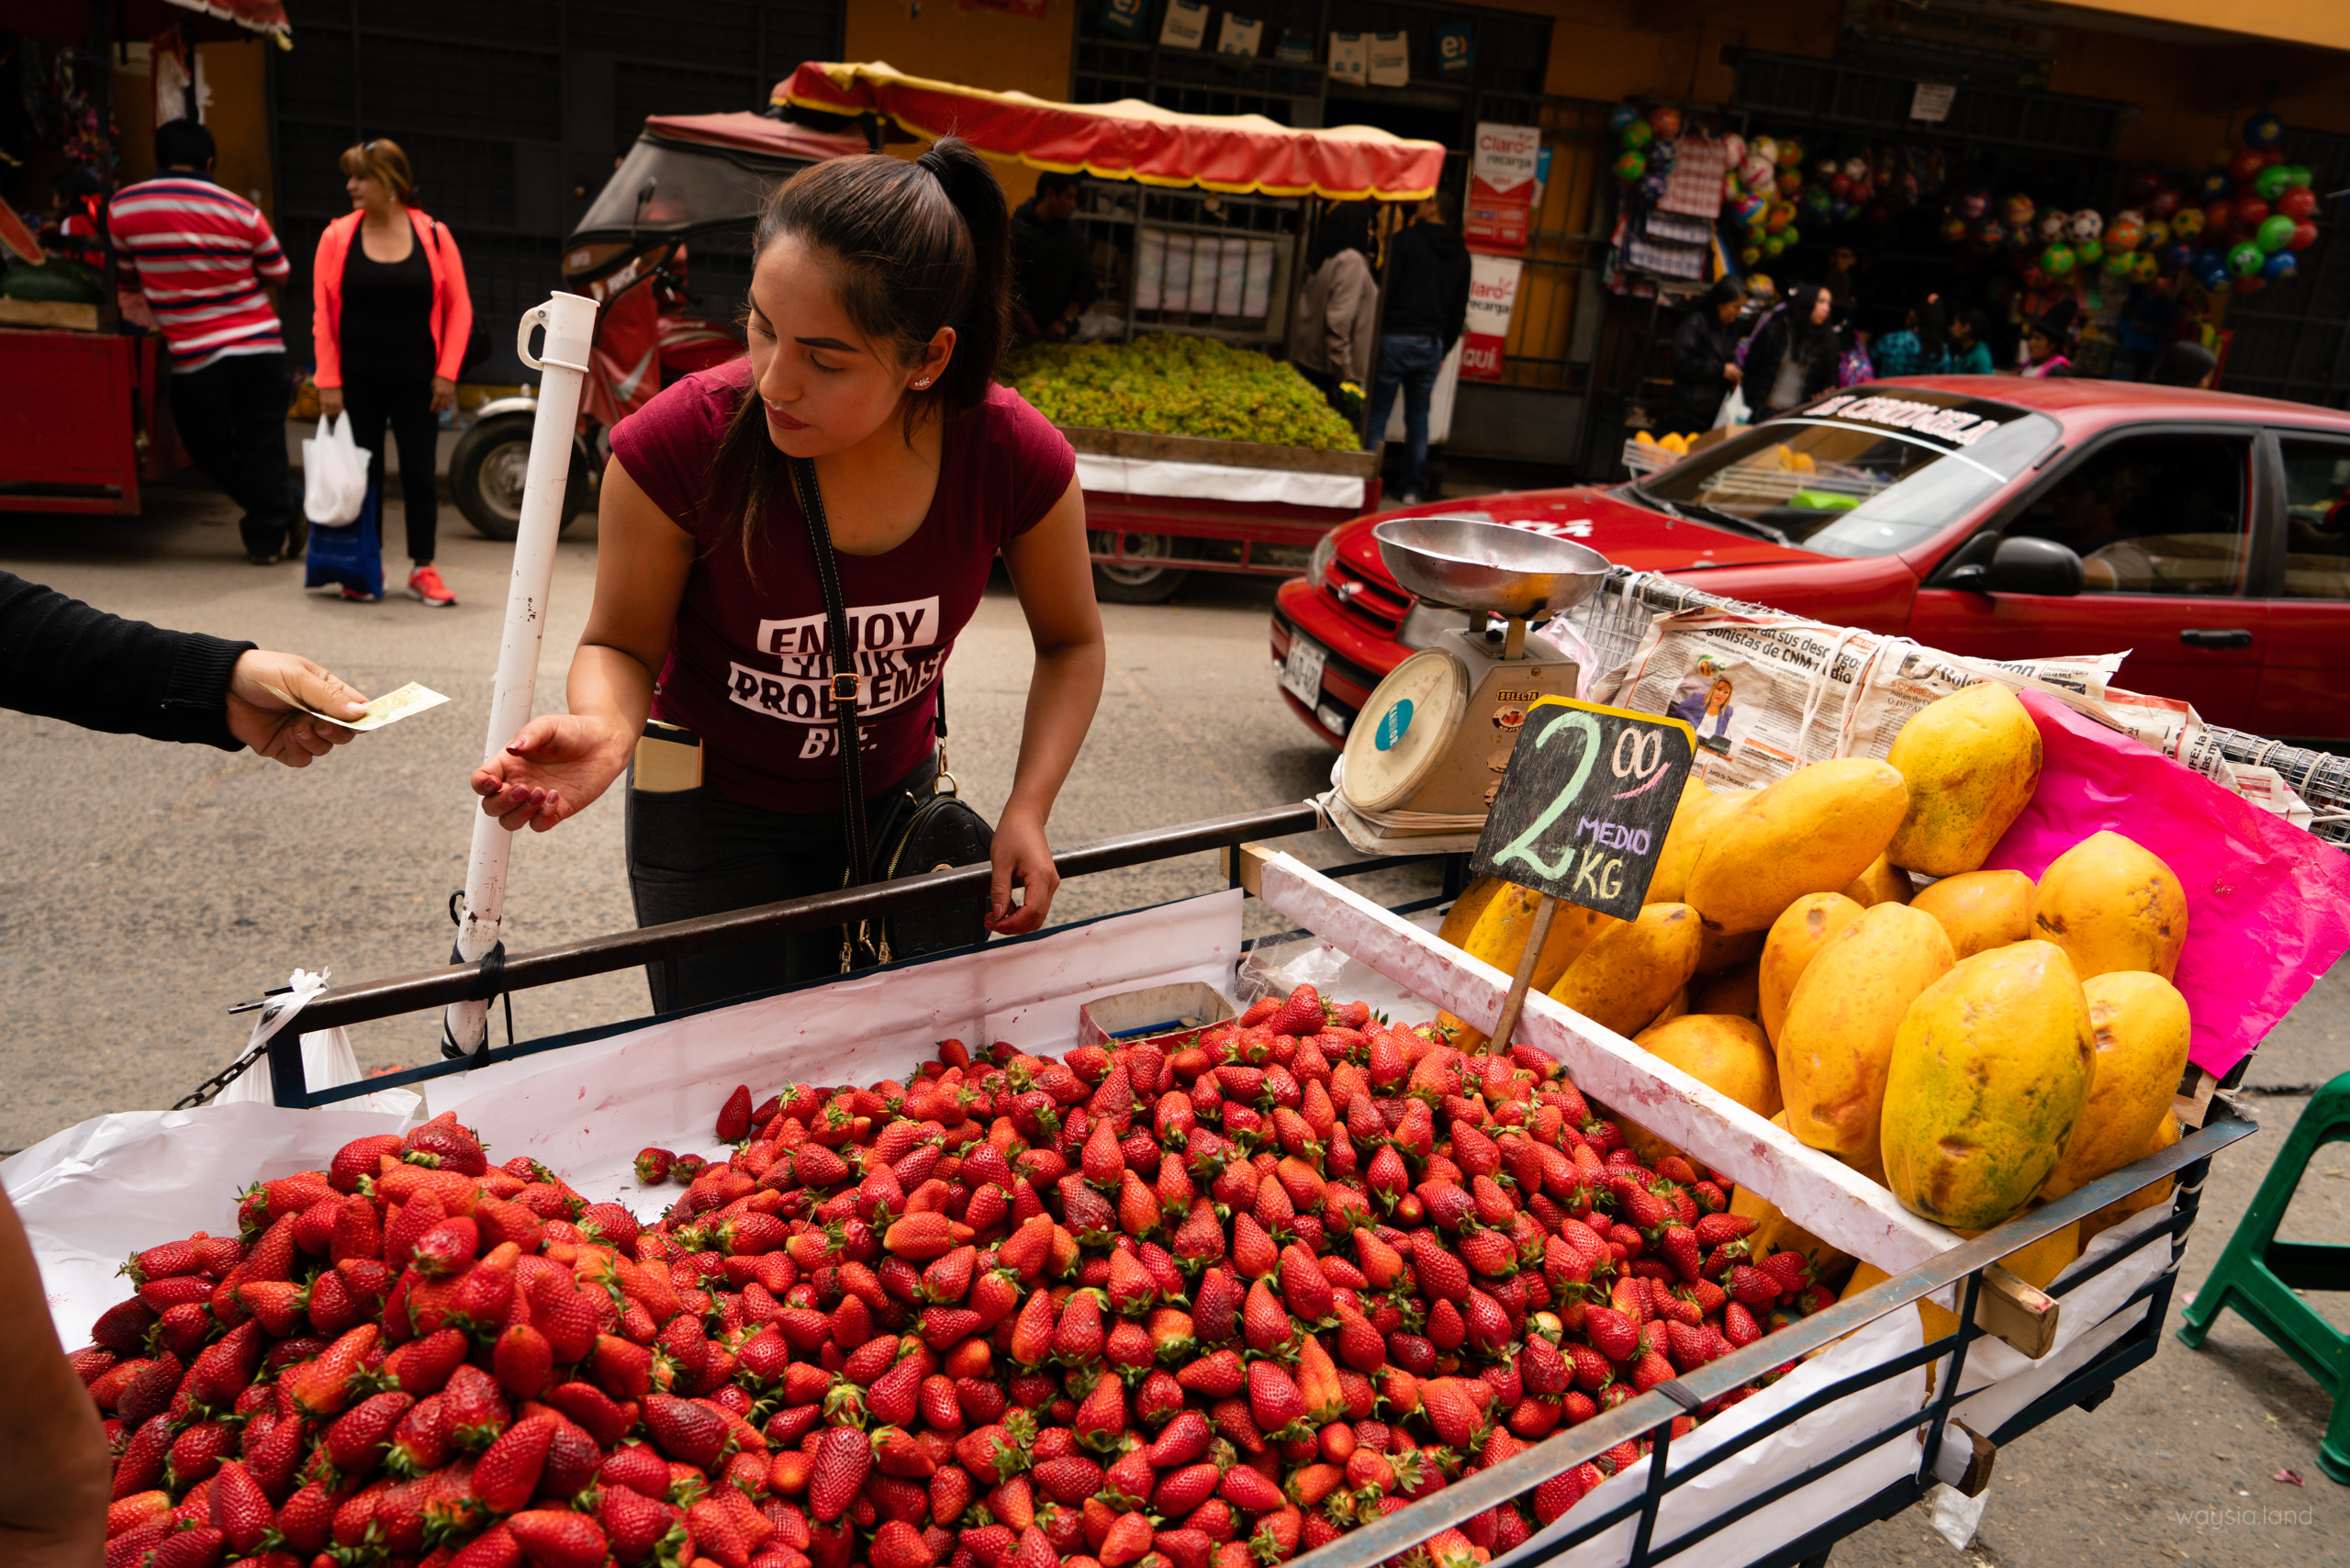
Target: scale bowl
1474,565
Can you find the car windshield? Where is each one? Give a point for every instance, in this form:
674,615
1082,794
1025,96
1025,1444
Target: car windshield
1859,474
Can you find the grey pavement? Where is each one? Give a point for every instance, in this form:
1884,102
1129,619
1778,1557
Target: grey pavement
143,889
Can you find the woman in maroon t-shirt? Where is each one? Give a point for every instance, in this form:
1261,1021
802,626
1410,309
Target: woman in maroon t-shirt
877,315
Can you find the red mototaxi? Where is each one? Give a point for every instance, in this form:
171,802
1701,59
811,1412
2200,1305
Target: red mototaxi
2252,625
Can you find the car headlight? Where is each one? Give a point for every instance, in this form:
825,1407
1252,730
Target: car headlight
1317,566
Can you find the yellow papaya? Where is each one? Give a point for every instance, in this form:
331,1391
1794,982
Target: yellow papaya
1735,992
2145,1197
1723,1053
1721,950
1980,909
2111,904
1883,882
1700,810
1678,1005
1631,971
1989,1071
1572,929
1812,832
1794,937
1971,761
1837,1038
1461,918
2141,1026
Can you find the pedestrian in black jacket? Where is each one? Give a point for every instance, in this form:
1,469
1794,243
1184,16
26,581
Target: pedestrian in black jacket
1793,357
1052,263
62,659
1704,358
1428,305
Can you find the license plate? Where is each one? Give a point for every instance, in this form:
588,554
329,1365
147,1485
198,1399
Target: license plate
1302,671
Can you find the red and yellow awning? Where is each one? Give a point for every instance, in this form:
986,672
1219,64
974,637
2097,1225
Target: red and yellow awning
1131,141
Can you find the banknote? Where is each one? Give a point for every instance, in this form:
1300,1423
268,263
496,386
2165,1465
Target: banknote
389,709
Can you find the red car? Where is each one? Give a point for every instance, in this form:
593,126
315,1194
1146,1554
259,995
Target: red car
1999,517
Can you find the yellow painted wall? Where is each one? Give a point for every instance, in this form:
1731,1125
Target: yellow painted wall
237,118
2319,23
976,48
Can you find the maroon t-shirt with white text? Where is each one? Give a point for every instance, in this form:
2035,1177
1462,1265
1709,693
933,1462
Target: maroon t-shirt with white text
749,667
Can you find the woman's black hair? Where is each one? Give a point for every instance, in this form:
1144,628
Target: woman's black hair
1978,324
1804,336
912,247
1345,227
1727,289
1934,330
2182,365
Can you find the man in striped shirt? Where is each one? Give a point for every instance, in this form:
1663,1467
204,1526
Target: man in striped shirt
203,254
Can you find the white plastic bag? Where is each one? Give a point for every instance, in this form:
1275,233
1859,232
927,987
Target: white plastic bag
328,1060
334,473
1733,410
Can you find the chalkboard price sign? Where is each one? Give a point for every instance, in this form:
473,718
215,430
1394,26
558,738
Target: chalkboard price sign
1582,812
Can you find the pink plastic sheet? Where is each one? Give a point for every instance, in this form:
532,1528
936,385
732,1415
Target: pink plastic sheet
2268,904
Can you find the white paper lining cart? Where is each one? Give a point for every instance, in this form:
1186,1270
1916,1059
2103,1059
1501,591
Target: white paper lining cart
1850,1437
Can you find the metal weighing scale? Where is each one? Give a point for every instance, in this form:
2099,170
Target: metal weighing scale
1429,749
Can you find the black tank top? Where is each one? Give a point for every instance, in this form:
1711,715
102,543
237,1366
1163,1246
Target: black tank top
388,313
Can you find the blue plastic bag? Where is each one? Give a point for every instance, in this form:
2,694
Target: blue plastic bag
350,555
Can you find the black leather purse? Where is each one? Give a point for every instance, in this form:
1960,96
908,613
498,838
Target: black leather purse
914,836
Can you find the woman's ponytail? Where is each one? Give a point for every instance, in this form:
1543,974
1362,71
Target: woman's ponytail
970,186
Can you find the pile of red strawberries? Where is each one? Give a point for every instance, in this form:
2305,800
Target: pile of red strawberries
1195,1305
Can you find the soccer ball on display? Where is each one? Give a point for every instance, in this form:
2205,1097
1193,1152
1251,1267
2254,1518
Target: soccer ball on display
2157,234
1667,121
2278,267
1638,134
2087,224
2124,233
2089,251
2188,223
1990,231
1758,172
1734,148
2264,130
1974,205
2016,212
2057,259
1629,167
2050,227
1954,229
1619,117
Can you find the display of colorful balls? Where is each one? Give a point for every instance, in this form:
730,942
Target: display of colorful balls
2211,271
2264,129
1990,231
2057,259
1790,154
2245,259
1839,186
2297,202
2164,202
2016,212
2189,223
2213,183
2049,227
2178,253
1816,200
1636,135
1764,147
2299,174
2271,182
2157,234
2274,234
2089,251
2278,267
2087,224
2124,233
2249,214
1663,154
1791,235
1619,117
2118,263
1749,254
1775,245
2304,235
1734,148
2245,165
1974,205
2219,216
1826,169
1758,172
1752,211
1667,121
2143,267
1652,185
1629,167
1954,229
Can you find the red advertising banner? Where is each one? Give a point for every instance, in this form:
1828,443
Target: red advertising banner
1502,170
1493,297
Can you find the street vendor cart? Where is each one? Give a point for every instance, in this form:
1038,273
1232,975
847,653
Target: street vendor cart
1202,234
89,419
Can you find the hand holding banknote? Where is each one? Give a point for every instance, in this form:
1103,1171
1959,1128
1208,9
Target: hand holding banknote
281,705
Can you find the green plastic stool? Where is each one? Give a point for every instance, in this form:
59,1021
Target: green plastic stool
2258,1274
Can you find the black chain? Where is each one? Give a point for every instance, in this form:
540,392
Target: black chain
202,1094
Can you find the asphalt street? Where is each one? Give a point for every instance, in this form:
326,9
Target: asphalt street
143,889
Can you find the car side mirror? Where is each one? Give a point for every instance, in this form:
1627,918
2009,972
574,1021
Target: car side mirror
2026,566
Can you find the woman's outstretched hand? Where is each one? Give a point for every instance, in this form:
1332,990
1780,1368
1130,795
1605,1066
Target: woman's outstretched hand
1021,858
553,770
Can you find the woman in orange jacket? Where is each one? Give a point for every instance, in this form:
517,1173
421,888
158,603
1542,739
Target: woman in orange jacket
392,322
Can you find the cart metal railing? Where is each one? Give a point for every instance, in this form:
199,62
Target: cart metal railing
1647,1415
1614,619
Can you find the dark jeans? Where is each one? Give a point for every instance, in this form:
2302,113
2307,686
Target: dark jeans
694,851
375,398
231,419
1408,361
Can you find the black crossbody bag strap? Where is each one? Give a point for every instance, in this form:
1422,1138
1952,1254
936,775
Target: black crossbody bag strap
847,685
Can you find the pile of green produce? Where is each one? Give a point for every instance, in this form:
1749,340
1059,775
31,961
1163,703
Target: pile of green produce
1167,384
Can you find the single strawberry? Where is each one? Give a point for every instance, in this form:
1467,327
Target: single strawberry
357,1442
693,1433
558,1538
637,1528
1613,1334
735,1116
1752,1287
652,1166
844,1458
1218,1376
1250,1491
507,1475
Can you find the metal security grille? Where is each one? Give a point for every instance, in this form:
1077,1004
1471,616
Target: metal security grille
1827,93
513,115
2292,340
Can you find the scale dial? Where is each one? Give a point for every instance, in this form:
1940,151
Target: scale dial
1405,730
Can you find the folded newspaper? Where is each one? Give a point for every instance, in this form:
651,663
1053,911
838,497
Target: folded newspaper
1769,693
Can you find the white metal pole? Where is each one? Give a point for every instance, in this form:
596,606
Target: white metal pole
569,322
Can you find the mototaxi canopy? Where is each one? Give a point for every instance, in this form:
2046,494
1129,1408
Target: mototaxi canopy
1129,139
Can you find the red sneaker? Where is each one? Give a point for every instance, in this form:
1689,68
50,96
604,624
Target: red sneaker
425,583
